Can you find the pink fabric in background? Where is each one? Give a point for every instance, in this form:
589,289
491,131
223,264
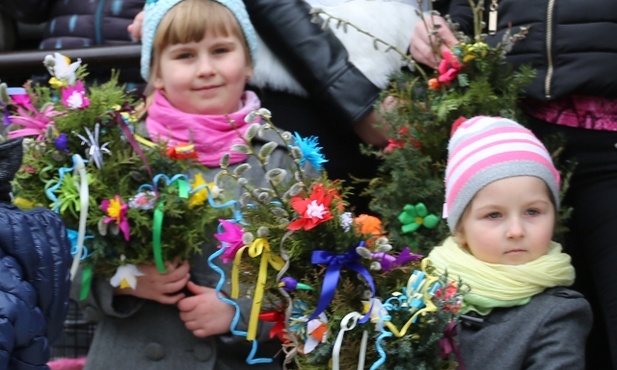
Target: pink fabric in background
68,364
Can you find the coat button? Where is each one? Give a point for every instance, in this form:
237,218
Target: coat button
203,351
154,352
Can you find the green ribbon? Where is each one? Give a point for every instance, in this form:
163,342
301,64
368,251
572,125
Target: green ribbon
183,188
156,237
86,281
157,229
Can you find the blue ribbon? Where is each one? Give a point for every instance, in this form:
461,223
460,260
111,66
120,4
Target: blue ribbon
382,353
335,263
250,359
229,204
49,192
72,235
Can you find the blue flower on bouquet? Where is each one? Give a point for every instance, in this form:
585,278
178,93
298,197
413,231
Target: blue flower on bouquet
311,151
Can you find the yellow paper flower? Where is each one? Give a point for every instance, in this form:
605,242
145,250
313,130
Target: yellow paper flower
56,83
200,197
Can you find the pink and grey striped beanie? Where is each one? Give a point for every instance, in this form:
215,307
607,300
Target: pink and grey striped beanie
486,149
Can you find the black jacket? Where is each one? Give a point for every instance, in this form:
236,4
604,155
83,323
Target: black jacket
316,58
571,44
34,275
338,94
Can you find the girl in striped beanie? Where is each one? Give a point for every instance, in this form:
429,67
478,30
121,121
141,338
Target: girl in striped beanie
502,198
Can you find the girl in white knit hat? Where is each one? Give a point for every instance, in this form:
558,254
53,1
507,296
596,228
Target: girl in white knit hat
502,198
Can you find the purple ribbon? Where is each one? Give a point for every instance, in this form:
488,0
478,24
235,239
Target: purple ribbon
335,263
5,116
447,344
131,139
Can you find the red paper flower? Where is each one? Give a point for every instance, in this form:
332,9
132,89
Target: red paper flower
448,67
312,210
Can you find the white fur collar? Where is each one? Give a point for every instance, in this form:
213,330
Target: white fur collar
389,20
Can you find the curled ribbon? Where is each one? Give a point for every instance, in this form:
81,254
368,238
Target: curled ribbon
259,247
426,290
250,359
335,263
348,323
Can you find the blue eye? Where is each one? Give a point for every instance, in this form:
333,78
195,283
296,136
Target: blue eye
493,215
532,212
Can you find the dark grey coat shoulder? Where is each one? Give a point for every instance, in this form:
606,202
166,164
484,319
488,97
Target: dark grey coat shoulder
547,333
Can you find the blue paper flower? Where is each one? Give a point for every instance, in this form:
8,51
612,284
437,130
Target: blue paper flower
311,151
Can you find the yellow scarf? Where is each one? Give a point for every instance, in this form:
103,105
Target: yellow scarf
496,285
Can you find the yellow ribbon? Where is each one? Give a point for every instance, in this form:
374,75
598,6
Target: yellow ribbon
259,247
142,140
428,302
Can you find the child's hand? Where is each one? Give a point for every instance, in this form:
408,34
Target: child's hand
164,287
205,314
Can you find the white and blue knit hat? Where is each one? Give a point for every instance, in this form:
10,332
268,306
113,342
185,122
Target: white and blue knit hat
156,9
486,149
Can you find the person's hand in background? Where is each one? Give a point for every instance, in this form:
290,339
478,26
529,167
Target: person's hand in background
135,27
430,38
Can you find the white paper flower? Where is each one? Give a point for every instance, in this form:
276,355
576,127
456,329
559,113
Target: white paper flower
346,221
317,332
60,66
126,276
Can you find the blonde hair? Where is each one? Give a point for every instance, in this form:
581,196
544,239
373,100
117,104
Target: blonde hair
188,22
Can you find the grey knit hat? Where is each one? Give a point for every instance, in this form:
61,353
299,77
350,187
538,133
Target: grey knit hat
486,149
155,10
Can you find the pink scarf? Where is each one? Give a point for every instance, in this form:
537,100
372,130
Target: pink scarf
212,135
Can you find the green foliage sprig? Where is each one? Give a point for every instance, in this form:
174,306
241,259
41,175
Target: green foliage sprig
473,79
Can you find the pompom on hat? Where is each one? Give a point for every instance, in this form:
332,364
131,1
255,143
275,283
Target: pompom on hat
486,149
155,10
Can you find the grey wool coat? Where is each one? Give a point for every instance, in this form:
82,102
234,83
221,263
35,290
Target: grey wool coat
547,333
134,334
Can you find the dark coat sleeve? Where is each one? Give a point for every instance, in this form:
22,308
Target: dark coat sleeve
34,275
315,57
461,14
